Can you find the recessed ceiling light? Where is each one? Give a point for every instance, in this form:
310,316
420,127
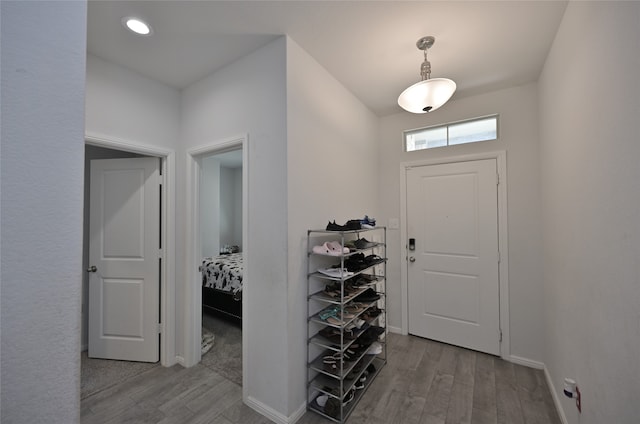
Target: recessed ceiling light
136,25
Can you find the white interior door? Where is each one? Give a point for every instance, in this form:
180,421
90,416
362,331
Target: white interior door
124,286
453,287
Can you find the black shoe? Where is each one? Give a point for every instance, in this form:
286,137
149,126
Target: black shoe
355,263
332,226
369,295
373,260
353,224
363,243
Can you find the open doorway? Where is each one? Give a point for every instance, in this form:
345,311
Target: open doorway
225,237
100,373
98,370
222,267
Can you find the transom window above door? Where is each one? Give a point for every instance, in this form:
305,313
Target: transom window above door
468,131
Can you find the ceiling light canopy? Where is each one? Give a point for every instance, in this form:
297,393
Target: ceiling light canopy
137,25
428,94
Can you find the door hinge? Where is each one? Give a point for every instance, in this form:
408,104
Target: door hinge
499,257
497,179
159,328
500,331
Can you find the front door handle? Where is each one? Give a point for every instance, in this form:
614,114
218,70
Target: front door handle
92,268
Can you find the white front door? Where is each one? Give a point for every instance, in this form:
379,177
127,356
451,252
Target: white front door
452,219
124,286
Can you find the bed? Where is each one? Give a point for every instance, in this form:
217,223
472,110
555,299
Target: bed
222,285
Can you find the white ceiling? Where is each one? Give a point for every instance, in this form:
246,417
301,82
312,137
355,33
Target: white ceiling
369,46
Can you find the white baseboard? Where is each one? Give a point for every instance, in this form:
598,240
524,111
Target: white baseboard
396,330
274,415
554,395
180,360
526,362
293,418
539,365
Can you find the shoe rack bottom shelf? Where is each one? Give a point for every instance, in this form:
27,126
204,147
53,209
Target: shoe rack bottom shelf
348,408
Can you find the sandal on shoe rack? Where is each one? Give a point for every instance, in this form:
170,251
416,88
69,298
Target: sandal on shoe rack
334,311
331,364
363,280
355,307
371,313
333,334
335,290
333,361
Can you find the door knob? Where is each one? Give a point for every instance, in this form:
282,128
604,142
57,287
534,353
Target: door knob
412,259
92,268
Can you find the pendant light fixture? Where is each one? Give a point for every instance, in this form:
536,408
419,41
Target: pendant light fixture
430,93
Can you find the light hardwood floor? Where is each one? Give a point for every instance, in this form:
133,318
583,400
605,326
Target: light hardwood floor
423,382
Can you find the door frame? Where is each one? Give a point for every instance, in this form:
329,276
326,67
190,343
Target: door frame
167,208
503,266
193,296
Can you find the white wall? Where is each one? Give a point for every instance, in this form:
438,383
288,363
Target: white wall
332,174
590,151
237,208
210,206
248,97
124,105
220,206
230,214
518,136
42,67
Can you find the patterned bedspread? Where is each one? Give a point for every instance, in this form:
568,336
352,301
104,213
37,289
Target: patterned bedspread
223,272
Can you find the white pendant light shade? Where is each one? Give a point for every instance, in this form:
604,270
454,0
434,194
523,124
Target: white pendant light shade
430,93
427,96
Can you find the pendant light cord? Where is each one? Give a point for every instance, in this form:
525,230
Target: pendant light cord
425,68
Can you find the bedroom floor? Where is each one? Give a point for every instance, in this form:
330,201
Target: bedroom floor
424,382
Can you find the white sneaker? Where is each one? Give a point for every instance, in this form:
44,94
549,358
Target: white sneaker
335,272
374,349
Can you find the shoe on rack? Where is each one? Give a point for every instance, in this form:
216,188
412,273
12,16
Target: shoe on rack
374,349
356,323
363,243
337,248
371,313
350,244
369,295
336,272
370,335
326,249
353,224
332,226
355,262
373,260
321,400
367,222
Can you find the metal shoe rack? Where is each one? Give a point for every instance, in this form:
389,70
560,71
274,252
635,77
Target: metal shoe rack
342,362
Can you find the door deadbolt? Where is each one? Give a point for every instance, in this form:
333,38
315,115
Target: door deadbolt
412,259
92,268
